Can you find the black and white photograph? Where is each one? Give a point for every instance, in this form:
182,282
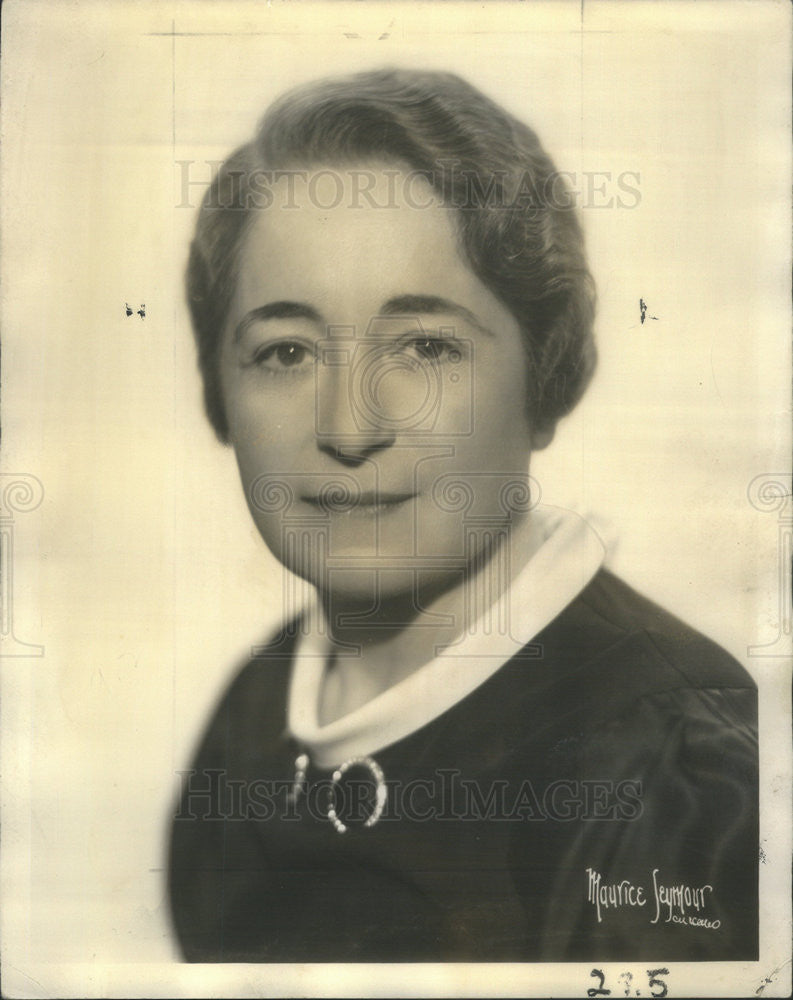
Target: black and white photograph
396,499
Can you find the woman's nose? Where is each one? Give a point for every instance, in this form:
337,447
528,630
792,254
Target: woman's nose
349,424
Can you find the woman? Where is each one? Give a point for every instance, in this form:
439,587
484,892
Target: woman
475,743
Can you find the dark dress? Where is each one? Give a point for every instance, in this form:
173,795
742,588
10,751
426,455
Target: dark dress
617,752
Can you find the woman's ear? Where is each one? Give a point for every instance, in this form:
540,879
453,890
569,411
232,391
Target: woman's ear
542,438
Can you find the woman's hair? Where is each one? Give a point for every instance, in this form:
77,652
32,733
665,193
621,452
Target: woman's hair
515,214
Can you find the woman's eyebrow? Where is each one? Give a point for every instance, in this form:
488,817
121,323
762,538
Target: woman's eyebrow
429,305
276,310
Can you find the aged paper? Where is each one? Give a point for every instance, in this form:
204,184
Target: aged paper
134,580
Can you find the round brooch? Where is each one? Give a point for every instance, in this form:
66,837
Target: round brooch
381,790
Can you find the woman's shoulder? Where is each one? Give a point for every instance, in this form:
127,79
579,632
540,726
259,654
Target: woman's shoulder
612,652
620,622
251,708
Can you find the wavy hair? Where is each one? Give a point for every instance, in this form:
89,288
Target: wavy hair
516,220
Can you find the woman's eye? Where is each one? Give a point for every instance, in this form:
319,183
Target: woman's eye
435,349
282,356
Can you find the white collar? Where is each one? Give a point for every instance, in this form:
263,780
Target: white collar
568,556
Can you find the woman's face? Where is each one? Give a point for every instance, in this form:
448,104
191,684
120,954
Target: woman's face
375,389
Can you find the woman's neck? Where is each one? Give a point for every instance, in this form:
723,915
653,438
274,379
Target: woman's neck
379,641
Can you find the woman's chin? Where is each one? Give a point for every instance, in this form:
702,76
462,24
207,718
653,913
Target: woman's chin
402,592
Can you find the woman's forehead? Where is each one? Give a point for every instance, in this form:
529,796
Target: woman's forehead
374,196
321,234
346,262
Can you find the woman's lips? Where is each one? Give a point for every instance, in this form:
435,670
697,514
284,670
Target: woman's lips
365,503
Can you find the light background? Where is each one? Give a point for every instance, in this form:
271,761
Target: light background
141,573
